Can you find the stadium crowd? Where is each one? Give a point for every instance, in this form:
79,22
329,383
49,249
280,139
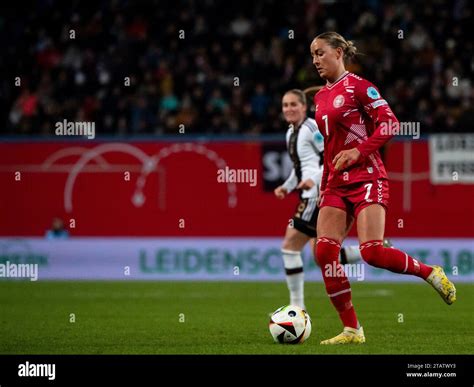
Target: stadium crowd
221,67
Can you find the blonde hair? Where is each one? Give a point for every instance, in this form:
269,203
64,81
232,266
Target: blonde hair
299,93
336,40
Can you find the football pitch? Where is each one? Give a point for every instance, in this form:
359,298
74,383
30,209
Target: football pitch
222,318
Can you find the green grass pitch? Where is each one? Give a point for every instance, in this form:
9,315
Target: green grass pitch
222,318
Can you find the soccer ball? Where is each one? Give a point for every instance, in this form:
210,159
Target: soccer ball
290,324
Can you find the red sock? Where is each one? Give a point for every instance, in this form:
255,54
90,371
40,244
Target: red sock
337,284
392,259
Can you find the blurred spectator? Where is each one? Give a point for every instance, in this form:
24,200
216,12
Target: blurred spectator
260,102
221,67
57,230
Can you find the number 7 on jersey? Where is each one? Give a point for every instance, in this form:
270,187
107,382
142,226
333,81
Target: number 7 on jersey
325,118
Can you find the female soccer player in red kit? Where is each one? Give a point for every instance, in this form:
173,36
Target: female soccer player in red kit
355,122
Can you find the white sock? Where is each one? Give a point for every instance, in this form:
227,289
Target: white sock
349,254
294,276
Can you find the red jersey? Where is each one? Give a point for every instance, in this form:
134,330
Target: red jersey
350,113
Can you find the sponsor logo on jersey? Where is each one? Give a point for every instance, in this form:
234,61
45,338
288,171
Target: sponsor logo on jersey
373,93
318,138
338,101
370,170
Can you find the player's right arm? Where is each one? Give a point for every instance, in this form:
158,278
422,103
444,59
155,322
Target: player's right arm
324,178
311,154
292,181
324,181
325,174
378,109
288,186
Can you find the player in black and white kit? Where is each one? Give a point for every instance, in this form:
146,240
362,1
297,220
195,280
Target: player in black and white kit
305,146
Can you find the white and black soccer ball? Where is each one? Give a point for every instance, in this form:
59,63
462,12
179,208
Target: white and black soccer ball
290,324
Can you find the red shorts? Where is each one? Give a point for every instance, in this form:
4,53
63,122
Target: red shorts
355,197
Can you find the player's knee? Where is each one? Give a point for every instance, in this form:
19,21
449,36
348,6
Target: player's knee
315,258
288,244
294,240
292,259
372,252
312,244
326,250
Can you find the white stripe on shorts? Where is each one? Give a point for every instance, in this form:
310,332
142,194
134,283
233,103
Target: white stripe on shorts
309,210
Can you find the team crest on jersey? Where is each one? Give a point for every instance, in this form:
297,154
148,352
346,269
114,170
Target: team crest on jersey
373,93
338,101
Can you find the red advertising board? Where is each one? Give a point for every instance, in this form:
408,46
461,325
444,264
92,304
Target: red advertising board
176,189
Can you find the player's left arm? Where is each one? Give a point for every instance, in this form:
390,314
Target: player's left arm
314,144
377,108
369,99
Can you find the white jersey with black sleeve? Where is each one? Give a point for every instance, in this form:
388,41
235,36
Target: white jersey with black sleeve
305,146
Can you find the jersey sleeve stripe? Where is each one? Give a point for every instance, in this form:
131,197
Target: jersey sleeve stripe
378,103
311,126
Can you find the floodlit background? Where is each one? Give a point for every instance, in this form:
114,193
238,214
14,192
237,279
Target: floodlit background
176,91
